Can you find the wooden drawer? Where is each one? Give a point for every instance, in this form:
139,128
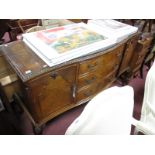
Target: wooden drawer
93,77
90,65
108,60
88,79
87,92
112,57
96,87
106,82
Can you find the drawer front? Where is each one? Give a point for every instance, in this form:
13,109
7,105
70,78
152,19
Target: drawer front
87,92
88,79
111,60
112,57
93,77
98,86
106,60
90,65
105,83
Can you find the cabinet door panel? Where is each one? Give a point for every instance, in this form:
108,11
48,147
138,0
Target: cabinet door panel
53,91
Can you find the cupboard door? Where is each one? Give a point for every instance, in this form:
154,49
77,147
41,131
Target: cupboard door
53,92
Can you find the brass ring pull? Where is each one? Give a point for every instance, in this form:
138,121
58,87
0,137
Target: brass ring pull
54,75
90,66
90,81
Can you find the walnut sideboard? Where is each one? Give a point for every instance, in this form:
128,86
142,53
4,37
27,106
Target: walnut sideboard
49,91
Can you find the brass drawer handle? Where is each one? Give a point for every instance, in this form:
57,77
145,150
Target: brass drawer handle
91,80
90,66
53,75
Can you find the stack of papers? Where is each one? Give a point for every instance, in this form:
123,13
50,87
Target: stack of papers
60,44
112,28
